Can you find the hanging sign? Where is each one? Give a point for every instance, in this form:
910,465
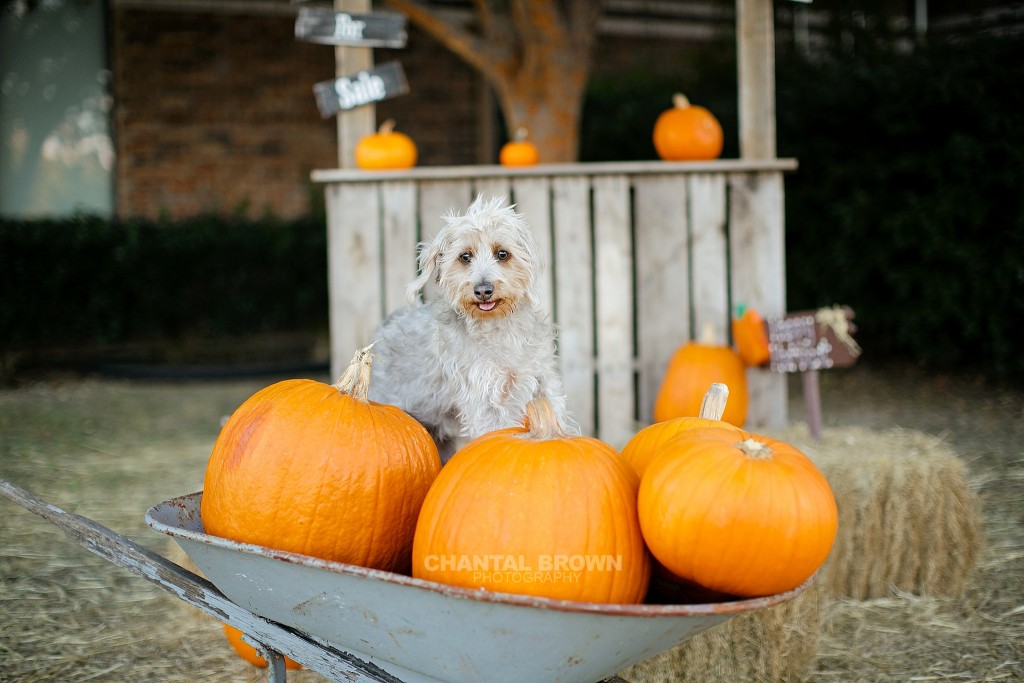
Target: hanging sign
812,340
380,83
325,26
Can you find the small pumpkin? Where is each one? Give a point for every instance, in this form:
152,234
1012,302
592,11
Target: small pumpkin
519,151
318,469
532,510
648,443
750,336
695,366
687,132
249,653
737,513
386,149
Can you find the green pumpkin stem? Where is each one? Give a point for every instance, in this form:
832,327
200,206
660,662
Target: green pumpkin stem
355,381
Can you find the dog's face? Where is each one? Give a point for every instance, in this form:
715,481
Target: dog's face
486,261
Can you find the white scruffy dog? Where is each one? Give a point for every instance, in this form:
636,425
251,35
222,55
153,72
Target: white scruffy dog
469,362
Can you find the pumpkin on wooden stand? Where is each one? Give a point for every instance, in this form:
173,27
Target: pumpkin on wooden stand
648,443
694,367
386,149
318,469
687,132
535,511
519,151
737,513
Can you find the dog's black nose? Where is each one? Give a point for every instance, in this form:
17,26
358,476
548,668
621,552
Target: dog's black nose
483,291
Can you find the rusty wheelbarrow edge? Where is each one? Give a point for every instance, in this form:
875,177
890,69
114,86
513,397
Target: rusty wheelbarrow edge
273,639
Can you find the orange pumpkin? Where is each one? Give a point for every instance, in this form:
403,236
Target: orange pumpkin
687,132
386,149
695,366
317,469
648,443
519,151
249,653
532,510
750,336
736,513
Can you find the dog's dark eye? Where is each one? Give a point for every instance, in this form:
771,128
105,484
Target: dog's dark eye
465,257
501,255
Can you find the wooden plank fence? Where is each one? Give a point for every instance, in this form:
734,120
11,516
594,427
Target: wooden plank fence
640,256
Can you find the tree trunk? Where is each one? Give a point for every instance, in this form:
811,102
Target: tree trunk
536,55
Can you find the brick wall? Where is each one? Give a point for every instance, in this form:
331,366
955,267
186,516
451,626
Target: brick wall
215,112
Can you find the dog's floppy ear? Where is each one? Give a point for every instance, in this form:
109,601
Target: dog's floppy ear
429,255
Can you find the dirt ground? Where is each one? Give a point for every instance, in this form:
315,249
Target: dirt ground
108,449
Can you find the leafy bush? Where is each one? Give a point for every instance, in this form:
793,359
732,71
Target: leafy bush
908,201
85,280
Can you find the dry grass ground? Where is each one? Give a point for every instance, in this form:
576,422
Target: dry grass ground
109,449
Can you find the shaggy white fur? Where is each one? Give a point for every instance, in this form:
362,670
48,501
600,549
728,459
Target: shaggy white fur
469,362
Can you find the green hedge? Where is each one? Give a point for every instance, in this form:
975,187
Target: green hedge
907,204
908,201
86,280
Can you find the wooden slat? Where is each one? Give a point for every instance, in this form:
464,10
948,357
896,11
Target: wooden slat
353,275
398,218
757,243
532,197
662,279
574,299
632,168
708,255
438,199
493,186
613,264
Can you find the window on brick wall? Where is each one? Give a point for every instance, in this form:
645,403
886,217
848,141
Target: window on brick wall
56,151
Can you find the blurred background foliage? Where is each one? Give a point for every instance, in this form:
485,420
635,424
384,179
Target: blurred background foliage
907,206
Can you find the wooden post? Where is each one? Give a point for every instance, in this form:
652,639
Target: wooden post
755,51
354,123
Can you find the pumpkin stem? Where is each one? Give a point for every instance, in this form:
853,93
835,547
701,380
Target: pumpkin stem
355,381
755,450
707,335
521,134
385,129
542,422
680,101
713,405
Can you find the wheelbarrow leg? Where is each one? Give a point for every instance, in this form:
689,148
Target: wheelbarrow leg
277,672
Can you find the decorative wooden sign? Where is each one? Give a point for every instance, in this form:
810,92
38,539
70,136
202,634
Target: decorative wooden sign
812,340
325,26
380,83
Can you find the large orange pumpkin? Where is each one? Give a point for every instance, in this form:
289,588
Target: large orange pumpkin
386,149
519,151
687,132
248,652
736,513
648,443
694,367
317,469
532,510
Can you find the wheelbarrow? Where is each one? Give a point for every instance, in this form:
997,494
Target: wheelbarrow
351,623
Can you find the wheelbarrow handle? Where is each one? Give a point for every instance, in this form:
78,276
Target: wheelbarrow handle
330,662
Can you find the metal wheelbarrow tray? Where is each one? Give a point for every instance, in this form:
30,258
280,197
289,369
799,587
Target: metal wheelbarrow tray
356,624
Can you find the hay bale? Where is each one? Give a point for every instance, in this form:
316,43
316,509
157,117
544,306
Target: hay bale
908,517
777,644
